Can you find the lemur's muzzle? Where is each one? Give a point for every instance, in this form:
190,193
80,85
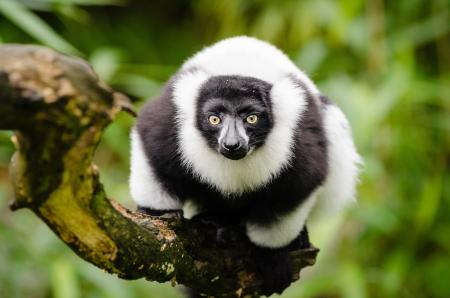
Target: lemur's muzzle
233,140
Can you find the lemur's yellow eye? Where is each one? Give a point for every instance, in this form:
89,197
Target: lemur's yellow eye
214,120
252,119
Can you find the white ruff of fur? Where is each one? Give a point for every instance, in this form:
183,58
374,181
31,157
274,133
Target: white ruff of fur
145,190
232,177
247,56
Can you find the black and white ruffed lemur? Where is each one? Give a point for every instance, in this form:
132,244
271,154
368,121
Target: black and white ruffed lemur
241,134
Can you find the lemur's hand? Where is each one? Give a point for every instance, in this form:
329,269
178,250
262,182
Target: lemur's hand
301,242
224,235
161,213
276,268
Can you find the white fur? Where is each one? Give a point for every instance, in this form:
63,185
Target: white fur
285,229
257,168
338,190
145,190
247,56
190,209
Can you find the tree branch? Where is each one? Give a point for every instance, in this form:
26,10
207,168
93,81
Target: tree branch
58,110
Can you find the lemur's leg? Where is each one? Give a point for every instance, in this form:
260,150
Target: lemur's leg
148,193
302,241
273,243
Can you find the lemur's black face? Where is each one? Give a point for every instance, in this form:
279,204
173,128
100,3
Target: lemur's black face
234,114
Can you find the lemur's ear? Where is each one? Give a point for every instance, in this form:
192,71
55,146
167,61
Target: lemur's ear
262,90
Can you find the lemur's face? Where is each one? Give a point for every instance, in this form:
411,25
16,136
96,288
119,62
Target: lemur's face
234,114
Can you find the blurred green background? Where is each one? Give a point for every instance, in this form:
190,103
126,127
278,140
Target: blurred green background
386,63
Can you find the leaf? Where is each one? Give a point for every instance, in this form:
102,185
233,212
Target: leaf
34,26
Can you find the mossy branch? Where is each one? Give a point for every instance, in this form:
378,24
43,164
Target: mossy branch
58,110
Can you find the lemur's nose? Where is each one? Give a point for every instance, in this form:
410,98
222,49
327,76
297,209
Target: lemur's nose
231,146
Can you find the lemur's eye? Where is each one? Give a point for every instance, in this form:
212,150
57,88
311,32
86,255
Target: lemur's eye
214,120
252,119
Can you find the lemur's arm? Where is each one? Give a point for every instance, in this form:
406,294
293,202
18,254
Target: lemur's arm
273,242
284,229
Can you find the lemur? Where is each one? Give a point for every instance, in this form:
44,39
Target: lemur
242,134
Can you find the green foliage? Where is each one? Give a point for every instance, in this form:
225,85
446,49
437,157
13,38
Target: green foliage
34,26
386,63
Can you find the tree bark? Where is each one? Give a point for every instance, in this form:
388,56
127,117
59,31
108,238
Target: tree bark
58,110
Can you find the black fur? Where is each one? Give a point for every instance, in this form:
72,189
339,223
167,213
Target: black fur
159,212
308,169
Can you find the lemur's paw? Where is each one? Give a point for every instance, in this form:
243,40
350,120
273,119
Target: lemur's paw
301,242
223,235
276,268
227,237
161,213
206,219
